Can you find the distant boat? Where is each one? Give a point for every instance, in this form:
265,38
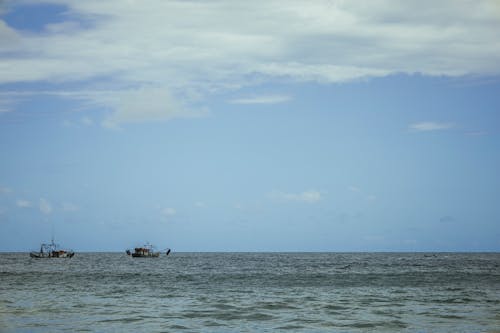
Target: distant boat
52,250
145,251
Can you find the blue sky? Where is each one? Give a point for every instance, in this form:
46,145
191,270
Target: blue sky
262,126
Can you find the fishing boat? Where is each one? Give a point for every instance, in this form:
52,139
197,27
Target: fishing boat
145,251
52,250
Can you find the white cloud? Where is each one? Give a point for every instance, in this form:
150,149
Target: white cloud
145,104
5,190
154,60
23,203
354,189
87,121
69,207
45,206
359,191
476,133
169,211
430,126
200,204
268,99
310,196
67,123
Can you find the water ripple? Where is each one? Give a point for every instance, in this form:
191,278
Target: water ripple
252,292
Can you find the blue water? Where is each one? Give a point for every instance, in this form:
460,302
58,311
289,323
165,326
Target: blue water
251,292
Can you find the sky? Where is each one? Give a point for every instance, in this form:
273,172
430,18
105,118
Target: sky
250,126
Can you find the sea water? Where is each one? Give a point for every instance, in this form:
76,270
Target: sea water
251,292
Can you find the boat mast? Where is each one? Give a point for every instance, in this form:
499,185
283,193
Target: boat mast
52,233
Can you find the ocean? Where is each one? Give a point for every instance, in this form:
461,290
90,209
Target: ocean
251,292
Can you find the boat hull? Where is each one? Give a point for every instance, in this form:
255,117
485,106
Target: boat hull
39,255
149,255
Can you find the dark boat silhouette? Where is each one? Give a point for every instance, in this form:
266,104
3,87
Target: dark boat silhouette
52,250
145,251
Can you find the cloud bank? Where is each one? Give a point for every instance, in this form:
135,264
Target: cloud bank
155,60
430,126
